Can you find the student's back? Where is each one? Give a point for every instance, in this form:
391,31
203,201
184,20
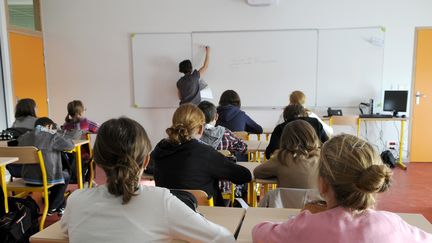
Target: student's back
154,215
25,114
295,164
183,162
76,125
350,175
125,211
51,144
195,165
291,113
231,117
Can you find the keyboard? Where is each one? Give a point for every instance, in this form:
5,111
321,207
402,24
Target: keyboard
375,116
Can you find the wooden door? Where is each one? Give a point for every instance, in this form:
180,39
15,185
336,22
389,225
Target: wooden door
421,132
28,69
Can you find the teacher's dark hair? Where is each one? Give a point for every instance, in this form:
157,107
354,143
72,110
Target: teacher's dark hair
185,66
120,149
230,97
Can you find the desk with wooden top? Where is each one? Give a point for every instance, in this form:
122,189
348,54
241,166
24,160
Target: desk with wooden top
3,162
255,148
230,218
252,194
255,216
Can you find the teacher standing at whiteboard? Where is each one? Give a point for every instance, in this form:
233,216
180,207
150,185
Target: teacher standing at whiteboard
190,85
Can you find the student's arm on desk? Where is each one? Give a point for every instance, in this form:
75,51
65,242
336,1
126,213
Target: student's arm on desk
222,168
252,126
62,144
185,224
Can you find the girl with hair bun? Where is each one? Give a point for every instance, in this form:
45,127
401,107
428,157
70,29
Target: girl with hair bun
123,210
350,174
182,161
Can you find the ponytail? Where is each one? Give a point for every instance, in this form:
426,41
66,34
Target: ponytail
120,149
185,120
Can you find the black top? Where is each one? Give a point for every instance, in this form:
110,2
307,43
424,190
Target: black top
277,133
236,120
195,165
189,88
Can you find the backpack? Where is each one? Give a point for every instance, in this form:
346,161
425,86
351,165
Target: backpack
20,222
388,158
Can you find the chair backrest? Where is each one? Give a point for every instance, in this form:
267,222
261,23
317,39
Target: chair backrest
284,198
201,197
242,135
344,120
26,154
225,152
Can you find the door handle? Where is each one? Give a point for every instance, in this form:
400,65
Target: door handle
418,96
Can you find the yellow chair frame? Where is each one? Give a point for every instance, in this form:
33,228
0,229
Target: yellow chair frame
29,155
201,197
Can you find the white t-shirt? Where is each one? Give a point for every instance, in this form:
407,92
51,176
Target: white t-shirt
327,129
154,215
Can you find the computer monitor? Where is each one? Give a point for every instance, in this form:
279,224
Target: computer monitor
395,100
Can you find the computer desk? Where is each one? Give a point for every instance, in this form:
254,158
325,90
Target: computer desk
392,119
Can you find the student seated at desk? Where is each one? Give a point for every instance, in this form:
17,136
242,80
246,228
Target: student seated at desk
231,117
25,114
350,174
295,163
46,138
123,210
25,118
297,97
219,137
182,161
291,113
75,122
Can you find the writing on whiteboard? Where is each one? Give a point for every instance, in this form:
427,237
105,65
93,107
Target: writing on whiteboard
247,61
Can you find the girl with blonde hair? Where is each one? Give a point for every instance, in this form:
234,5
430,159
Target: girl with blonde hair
351,173
182,161
298,97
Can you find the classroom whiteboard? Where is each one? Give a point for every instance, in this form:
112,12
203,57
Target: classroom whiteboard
334,67
350,66
262,66
155,59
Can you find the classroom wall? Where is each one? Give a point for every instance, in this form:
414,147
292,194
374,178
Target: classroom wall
88,49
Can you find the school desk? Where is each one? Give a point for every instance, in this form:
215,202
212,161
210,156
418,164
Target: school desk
230,218
252,193
252,149
258,215
77,151
3,162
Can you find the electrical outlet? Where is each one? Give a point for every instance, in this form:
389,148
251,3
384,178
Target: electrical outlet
392,145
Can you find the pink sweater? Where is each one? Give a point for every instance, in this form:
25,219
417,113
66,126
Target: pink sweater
339,225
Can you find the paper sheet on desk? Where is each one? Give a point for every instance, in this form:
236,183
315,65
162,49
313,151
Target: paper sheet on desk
206,93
